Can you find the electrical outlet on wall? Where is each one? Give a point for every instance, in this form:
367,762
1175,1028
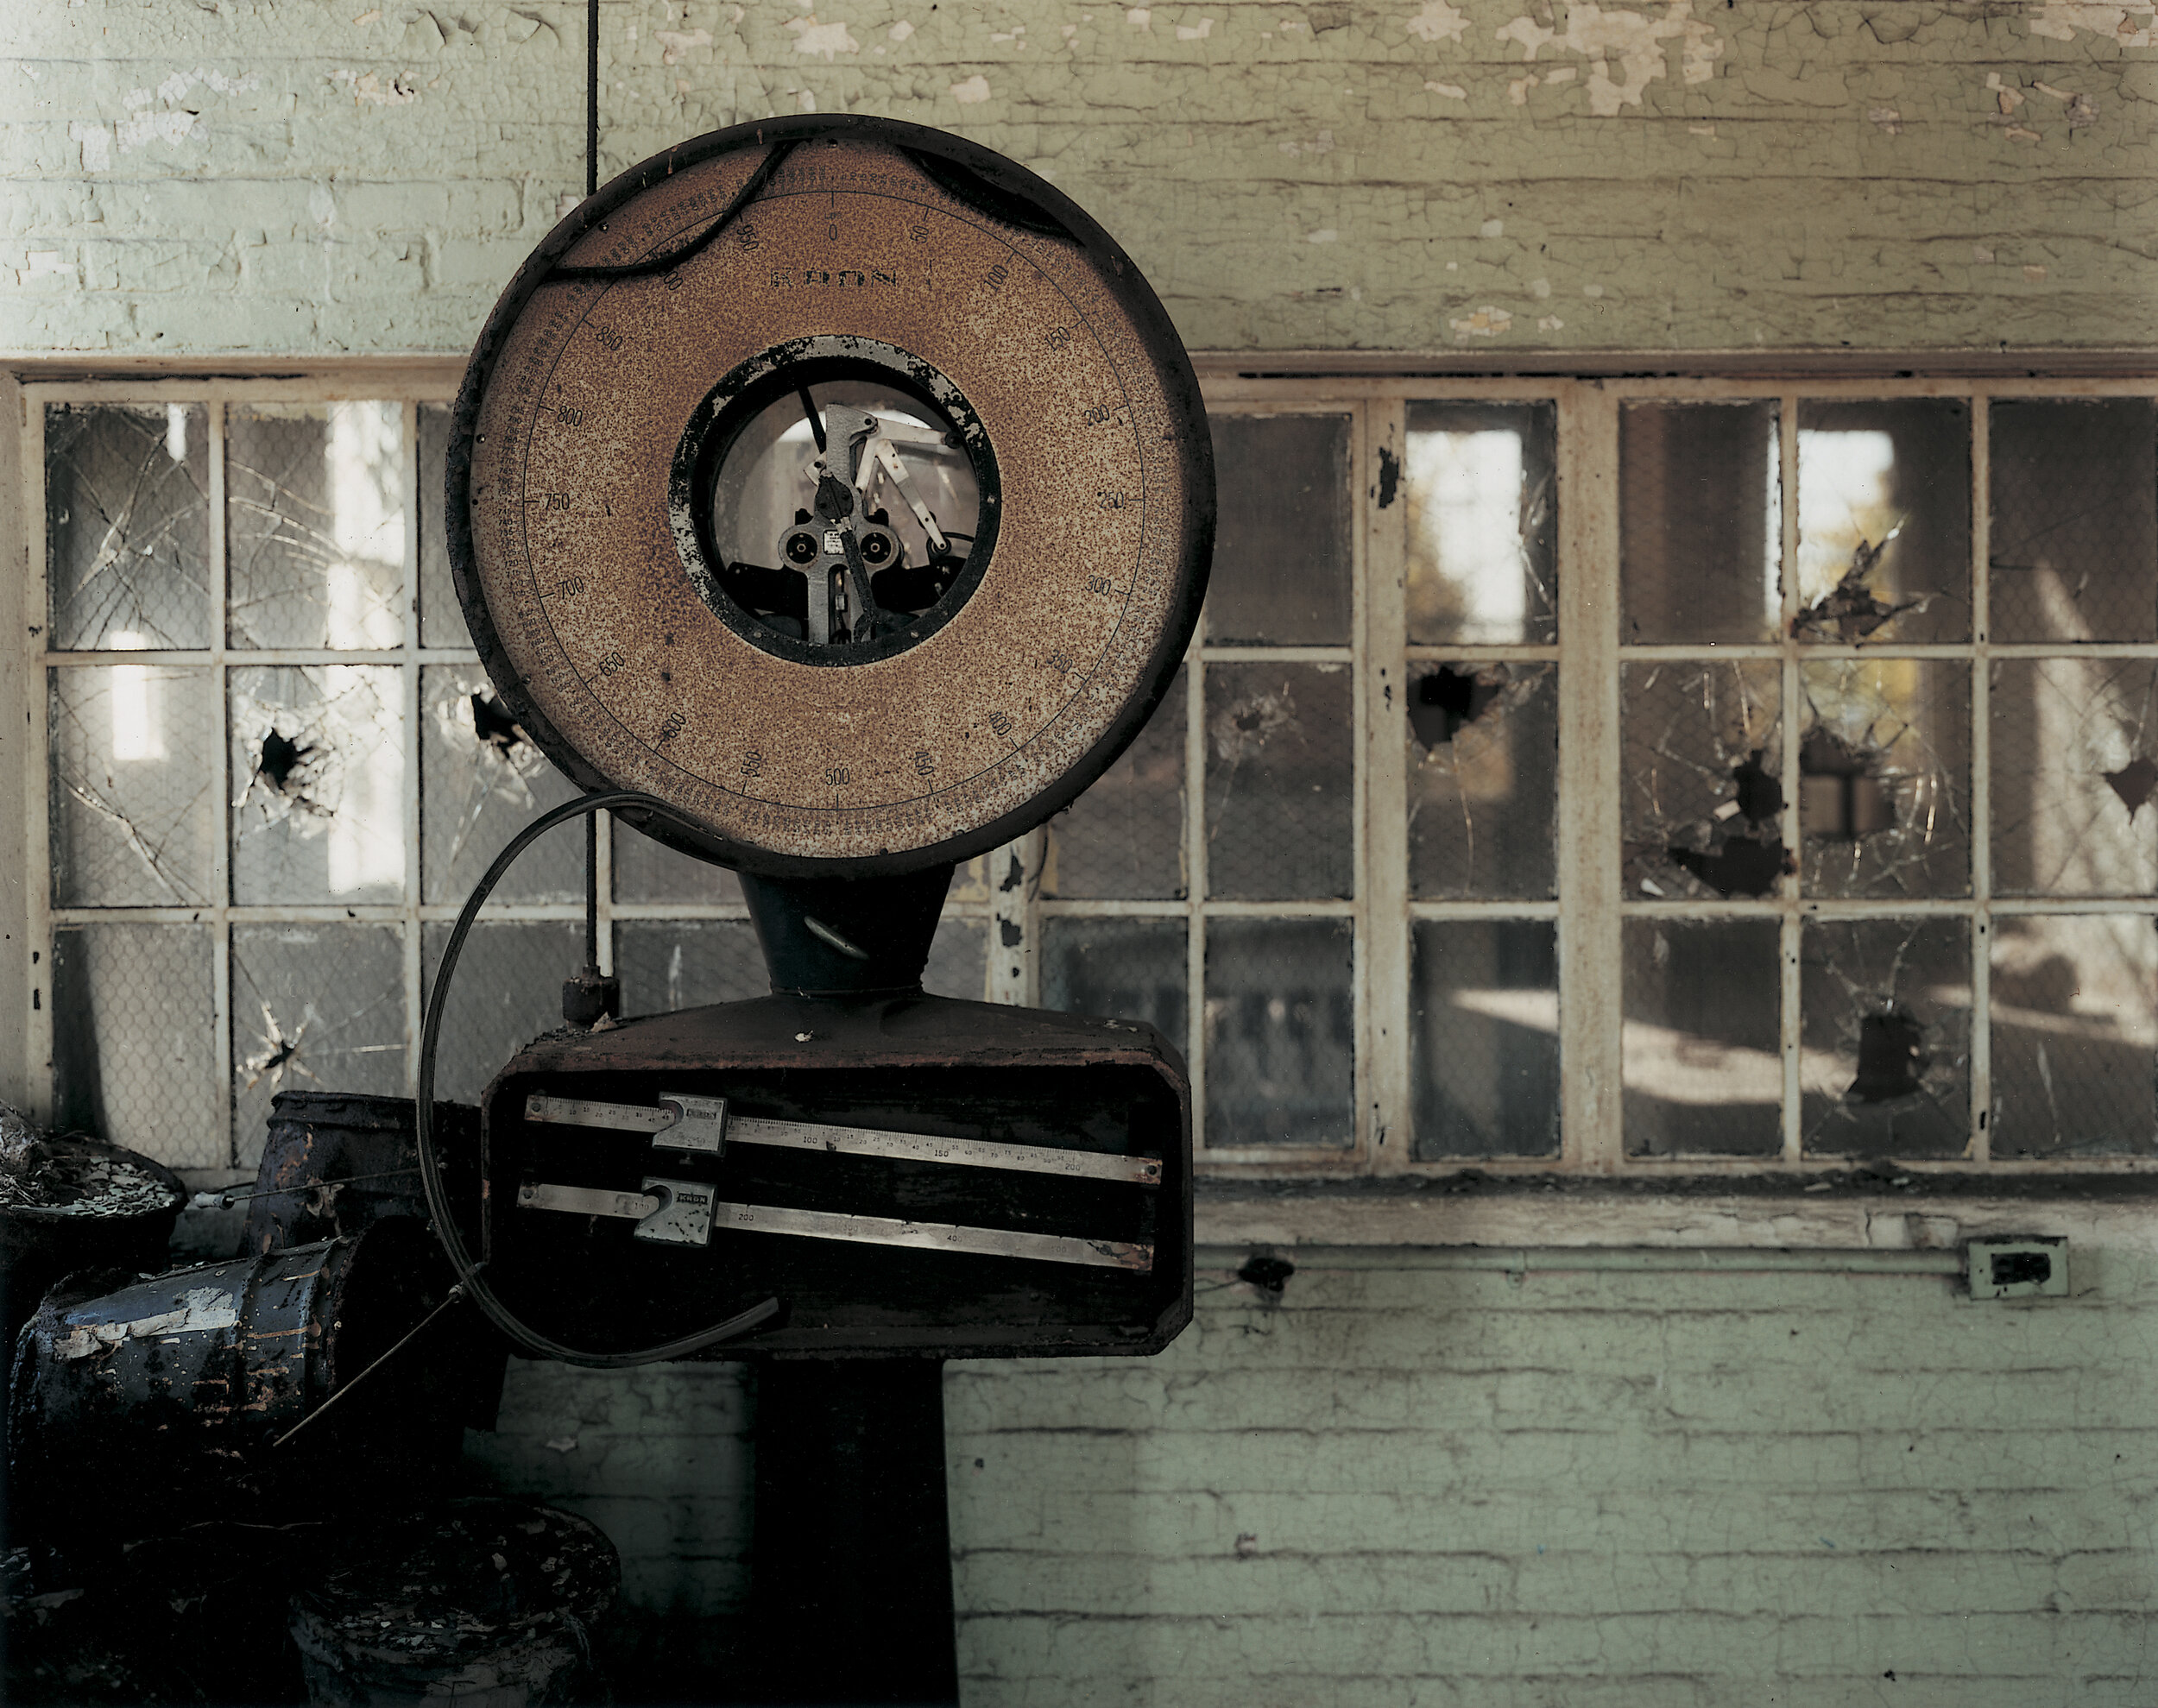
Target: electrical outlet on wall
2019,1268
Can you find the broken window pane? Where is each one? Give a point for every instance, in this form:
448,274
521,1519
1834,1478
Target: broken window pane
1478,486
134,1031
958,959
1125,837
2074,543
441,617
127,526
1704,1071
1120,969
1280,763
1484,1036
318,784
1699,521
2075,763
1483,753
1281,1033
1701,754
315,517
1885,785
667,964
314,1008
133,813
1282,553
508,990
1886,1007
647,870
481,781
2073,1007
1883,520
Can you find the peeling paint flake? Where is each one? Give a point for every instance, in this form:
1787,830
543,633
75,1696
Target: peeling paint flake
1633,39
1197,32
673,42
1438,21
1452,91
831,40
1485,322
2130,25
400,91
973,91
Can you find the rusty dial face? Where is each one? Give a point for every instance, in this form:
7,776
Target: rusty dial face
859,254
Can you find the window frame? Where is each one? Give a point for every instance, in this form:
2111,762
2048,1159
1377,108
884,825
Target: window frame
1589,909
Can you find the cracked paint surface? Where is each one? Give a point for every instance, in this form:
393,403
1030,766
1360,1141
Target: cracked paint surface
1691,176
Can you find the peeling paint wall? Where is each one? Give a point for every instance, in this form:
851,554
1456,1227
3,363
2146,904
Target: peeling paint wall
267,176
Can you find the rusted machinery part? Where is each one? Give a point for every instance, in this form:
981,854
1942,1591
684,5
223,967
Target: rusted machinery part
622,359
336,1162
125,1390
479,1600
444,1218
41,1244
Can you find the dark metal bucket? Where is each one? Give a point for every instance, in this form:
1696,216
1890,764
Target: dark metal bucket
492,1604
40,1244
317,1141
126,1392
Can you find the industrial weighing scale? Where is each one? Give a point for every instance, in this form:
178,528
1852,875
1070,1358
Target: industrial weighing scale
832,500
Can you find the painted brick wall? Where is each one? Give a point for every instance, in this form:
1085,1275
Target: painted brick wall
1400,1487
274,176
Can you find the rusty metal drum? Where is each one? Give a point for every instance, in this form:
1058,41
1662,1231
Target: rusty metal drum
126,1391
117,1213
839,483
336,1163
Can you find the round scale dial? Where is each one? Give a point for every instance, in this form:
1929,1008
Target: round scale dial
838,482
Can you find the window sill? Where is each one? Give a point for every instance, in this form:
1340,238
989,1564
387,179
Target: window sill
1857,1210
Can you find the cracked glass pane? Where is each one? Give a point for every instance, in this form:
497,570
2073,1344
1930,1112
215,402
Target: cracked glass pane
441,617
1700,522
1883,520
2075,763
127,526
1282,553
958,959
1704,1074
1701,752
314,1008
315,518
667,964
2073,1008
134,1031
130,828
318,784
1120,969
507,992
650,871
1484,1038
1886,1064
1280,763
481,781
1281,1033
1478,487
1483,752
1884,783
1125,837
2075,541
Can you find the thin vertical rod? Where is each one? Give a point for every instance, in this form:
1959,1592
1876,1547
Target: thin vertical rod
214,413
591,98
591,890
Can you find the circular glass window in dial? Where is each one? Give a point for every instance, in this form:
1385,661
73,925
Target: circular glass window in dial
893,649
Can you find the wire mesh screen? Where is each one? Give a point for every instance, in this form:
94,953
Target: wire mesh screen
1280,1033
1124,838
1484,1014
127,526
1282,550
508,990
1704,1069
132,816
1699,521
133,1040
315,1007
2074,547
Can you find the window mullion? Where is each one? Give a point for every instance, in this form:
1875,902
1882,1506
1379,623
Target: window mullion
220,789
1382,883
1195,877
1590,986
1981,1128
1790,1020
37,1063
409,673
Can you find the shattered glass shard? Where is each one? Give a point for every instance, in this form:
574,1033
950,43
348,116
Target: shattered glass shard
1447,699
1482,757
1738,865
1852,610
2133,782
1885,1007
1891,1056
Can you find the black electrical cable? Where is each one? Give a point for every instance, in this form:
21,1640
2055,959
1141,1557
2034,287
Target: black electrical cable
697,245
468,1272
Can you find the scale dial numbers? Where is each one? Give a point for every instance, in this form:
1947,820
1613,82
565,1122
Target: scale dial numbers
958,725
